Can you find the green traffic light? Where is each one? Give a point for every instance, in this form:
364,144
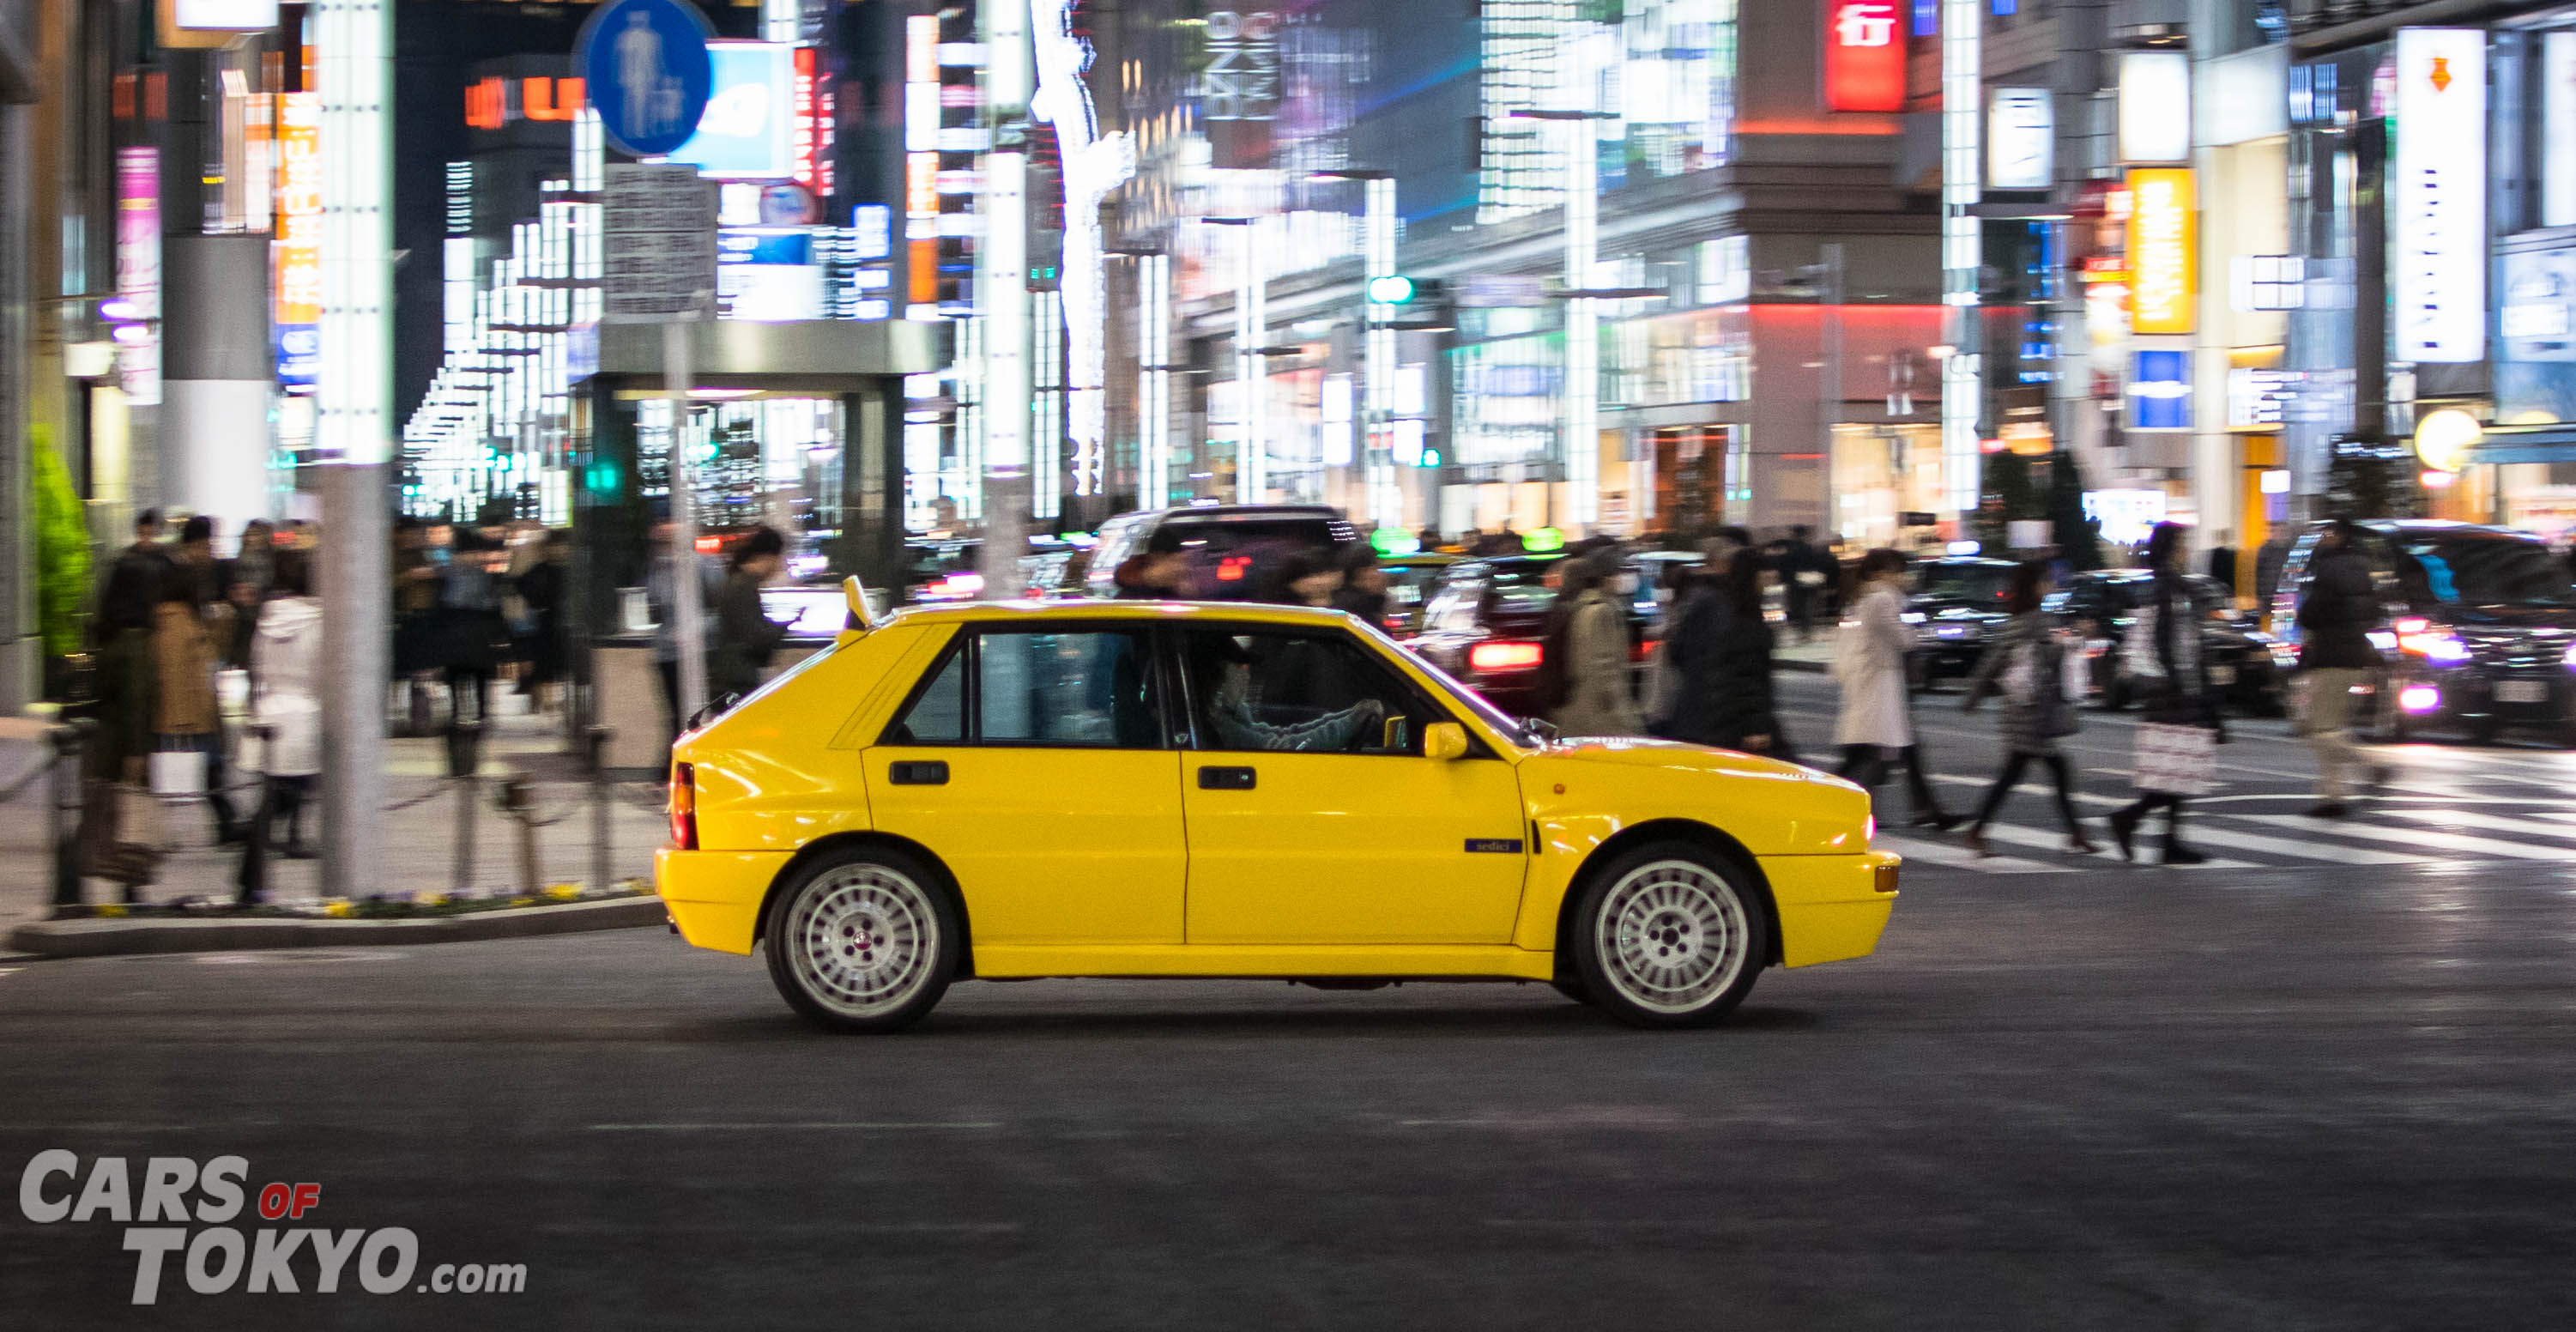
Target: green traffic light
1390,290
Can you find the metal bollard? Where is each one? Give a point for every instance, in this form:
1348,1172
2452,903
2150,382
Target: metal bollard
464,760
71,760
602,853
515,800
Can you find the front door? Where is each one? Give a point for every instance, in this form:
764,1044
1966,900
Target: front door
1313,816
1036,766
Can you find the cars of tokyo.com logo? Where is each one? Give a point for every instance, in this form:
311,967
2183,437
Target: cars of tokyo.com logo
216,1258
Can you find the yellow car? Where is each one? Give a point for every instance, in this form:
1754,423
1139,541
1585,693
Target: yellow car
1006,791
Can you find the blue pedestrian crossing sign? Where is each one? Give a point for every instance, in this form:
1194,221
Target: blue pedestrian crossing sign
645,66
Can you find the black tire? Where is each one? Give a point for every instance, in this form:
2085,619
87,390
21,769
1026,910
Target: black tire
1669,935
864,940
1572,988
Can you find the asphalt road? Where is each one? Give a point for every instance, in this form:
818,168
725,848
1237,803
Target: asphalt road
2274,1096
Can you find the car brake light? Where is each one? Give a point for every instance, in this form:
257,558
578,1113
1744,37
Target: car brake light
1505,656
2411,626
1231,569
684,806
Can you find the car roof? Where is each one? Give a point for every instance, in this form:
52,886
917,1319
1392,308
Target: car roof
1001,612
1235,513
2429,528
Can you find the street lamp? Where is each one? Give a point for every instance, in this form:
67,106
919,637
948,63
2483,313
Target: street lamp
1377,342
1582,329
1251,370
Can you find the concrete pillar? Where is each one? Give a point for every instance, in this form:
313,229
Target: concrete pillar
216,373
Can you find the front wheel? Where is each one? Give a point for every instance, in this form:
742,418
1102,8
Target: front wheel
864,940
1669,936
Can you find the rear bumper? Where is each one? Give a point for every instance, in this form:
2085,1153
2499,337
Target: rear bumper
715,896
1831,907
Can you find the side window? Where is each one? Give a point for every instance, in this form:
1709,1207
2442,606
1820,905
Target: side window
1299,691
1089,689
938,716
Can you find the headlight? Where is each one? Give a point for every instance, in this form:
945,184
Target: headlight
2419,698
2383,640
2441,651
2569,657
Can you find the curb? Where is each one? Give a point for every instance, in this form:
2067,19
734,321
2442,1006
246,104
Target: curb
110,938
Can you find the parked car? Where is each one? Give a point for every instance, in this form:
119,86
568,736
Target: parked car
1486,624
2481,630
2101,605
1231,546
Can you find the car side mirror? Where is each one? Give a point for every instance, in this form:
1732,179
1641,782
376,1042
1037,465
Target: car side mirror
1444,741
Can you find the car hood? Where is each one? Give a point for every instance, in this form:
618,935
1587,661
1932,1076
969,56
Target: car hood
1640,752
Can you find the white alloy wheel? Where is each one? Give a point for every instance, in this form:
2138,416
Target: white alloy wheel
862,942
1672,938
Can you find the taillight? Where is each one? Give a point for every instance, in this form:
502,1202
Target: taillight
1505,656
684,807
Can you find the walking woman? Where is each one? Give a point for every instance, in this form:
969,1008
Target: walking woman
1599,699
1720,656
2176,755
745,636
2024,664
1875,724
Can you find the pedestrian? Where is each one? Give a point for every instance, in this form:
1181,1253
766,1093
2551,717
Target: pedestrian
744,636
2176,754
1363,589
245,579
2024,663
1804,573
1303,578
543,589
2335,618
286,683
1590,633
1875,725
122,633
189,631
1720,653
1160,572
415,619
2222,563
471,633
659,596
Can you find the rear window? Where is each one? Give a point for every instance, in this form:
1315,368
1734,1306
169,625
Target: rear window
1974,582
2489,572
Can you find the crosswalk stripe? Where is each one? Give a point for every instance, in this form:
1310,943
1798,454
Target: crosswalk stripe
2019,836
2486,846
2198,829
2460,818
1960,857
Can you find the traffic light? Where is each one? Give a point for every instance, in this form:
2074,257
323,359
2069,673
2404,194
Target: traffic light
1390,290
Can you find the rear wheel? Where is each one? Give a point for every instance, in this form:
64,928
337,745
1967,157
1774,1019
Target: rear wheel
1669,935
864,940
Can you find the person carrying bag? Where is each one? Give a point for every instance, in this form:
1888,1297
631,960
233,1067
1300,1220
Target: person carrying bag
2025,666
2177,748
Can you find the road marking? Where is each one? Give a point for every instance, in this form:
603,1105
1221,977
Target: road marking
2020,836
2455,818
816,1125
2414,837
2200,831
1960,857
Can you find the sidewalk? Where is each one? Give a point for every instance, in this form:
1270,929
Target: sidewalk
417,841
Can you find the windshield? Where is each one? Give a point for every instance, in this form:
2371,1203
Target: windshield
2459,572
1970,582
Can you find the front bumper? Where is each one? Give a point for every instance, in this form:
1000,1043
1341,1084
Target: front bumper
1831,907
715,897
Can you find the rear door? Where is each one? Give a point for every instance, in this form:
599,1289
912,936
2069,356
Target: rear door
1037,763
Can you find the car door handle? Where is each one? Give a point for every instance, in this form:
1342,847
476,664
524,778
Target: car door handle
918,772
1226,779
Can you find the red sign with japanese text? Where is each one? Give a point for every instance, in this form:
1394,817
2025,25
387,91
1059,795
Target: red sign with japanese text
1864,55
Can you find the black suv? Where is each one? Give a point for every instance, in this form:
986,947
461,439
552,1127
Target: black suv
1232,547
2101,605
1958,603
2481,627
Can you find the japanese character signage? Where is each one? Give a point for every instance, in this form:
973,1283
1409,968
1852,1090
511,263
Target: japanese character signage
1864,55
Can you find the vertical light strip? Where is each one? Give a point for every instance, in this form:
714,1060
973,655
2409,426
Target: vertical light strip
1377,354
1582,333
1092,165
1252,370
1153,394
1002,291
353,72
1962,380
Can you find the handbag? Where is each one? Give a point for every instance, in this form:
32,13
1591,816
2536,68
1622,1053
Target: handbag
2175,760
2138,659
2075,673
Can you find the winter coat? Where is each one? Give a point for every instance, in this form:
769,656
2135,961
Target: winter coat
2337,615
286,679
1869,662
2181,697
2026,716
184,646
744,639
1598,700
1721,663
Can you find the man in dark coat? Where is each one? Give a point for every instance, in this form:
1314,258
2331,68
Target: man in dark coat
122,633
2336,615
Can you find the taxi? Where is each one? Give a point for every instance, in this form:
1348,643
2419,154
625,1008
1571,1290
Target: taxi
1015,790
